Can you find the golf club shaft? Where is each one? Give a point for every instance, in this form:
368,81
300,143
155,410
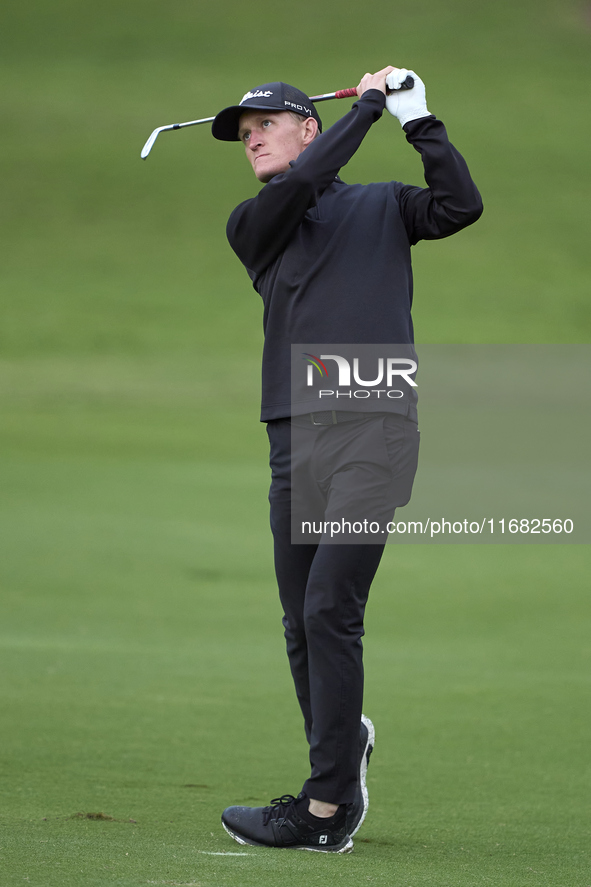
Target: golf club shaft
339,94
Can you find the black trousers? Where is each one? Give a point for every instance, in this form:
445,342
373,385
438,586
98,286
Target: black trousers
324,587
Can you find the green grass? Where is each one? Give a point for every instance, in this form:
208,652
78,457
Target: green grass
142,672
144,678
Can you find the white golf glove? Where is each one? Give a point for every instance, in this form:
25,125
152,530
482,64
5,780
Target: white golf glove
406,104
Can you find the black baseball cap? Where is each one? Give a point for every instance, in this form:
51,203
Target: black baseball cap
268,97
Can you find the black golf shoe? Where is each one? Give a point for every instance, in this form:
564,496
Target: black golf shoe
357,810
280,825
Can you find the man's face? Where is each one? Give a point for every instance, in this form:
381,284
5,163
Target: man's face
272,139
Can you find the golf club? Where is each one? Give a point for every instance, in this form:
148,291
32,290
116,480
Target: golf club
408,83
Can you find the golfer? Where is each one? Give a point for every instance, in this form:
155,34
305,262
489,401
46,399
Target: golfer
332,264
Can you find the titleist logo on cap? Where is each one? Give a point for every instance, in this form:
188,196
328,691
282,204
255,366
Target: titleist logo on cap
257,94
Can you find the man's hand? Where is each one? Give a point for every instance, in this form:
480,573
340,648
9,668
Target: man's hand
405,104
375,81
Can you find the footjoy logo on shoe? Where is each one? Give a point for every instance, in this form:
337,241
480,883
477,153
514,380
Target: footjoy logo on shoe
323,839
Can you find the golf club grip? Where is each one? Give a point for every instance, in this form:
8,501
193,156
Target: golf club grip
407,83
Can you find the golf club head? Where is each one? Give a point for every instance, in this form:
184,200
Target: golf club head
148,146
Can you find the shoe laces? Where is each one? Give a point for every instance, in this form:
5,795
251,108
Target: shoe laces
279,808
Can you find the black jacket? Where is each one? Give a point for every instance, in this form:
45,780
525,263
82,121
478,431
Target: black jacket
331,261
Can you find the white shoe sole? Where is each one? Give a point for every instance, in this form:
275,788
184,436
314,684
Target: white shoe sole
371,740
346,848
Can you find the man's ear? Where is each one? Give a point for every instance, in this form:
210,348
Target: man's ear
310,130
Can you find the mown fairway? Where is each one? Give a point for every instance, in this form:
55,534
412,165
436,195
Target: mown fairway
142,672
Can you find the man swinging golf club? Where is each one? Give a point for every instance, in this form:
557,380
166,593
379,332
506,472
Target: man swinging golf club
331,262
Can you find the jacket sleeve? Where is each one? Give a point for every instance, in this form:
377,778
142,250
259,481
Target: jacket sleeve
260,228
451,201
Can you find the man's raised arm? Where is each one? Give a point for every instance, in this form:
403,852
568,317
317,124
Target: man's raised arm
451,201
